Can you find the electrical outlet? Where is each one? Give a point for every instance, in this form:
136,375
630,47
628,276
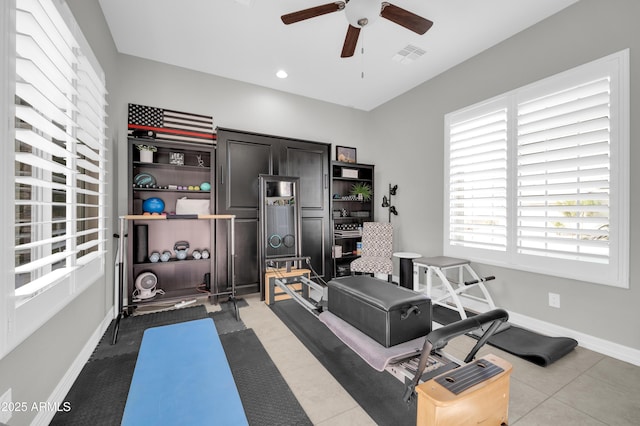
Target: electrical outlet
554,300
5,405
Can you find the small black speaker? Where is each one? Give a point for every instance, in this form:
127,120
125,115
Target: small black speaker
138,133
140,243
207,281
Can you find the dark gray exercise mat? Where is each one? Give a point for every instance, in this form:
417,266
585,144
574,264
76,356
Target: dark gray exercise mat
132,328
378,393
536,348
266,397
225,318
99,394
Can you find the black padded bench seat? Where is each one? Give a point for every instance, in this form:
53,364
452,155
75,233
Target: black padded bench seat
383,311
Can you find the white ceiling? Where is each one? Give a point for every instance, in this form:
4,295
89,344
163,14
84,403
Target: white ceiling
245,40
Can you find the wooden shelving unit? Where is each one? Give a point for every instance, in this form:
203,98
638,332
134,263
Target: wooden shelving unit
348,212
176,166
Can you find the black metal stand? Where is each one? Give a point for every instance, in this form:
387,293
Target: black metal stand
119,296
120,290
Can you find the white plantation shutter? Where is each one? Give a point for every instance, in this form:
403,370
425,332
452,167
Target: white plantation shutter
59,152
538,178
478,181
564,174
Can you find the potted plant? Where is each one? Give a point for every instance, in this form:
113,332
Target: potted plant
362,190
146,153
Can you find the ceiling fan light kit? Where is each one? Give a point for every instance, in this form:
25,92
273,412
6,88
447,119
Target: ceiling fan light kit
360,13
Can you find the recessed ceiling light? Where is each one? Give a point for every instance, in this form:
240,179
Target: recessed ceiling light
282,74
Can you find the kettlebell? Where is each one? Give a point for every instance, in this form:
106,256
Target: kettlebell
182,249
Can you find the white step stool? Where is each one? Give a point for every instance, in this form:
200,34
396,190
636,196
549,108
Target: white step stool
451,292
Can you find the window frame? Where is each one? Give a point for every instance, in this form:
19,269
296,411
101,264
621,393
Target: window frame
616,273
20,318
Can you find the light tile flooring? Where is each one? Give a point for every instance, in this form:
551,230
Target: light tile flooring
583,388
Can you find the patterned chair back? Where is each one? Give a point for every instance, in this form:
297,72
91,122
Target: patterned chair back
377,239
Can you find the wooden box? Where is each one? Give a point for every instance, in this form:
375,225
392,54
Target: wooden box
350,173
485,403
272,292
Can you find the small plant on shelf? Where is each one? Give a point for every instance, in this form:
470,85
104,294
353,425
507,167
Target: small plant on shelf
146,153
362,190
147,148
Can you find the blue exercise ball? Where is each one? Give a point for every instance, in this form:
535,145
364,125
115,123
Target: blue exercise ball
205,186
153,205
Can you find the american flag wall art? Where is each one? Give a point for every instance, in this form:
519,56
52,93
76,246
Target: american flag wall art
171,125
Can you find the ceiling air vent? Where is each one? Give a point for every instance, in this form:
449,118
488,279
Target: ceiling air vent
408,54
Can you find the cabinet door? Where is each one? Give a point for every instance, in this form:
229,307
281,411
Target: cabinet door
241,159
310,162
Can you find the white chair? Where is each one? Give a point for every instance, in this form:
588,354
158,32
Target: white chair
377,250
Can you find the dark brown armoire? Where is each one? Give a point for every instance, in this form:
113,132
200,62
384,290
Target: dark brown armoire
241,158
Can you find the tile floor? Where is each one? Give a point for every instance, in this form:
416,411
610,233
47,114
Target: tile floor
583,388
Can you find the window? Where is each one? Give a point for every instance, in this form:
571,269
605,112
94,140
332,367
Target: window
538,178
58,165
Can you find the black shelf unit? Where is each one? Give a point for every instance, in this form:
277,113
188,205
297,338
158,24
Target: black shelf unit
179,279
348,211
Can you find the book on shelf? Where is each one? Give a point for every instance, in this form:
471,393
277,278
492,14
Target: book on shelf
347,233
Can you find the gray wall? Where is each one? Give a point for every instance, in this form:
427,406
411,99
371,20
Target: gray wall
412,127
233,105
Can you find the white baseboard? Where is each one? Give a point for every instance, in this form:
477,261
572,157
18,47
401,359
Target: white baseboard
56,398
602,346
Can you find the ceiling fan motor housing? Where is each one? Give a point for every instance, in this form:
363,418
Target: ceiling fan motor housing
362,12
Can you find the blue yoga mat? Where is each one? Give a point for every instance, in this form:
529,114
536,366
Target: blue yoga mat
182,377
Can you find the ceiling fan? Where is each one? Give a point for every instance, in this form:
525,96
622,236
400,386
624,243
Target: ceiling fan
360,13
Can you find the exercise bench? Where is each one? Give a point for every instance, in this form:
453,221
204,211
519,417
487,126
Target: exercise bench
450,293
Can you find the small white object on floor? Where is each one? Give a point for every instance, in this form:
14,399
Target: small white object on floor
184,303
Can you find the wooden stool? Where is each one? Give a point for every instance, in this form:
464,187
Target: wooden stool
272,293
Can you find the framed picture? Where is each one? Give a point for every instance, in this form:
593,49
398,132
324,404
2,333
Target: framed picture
176,158
346,154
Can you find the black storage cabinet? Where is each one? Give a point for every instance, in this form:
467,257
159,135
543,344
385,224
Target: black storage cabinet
388,314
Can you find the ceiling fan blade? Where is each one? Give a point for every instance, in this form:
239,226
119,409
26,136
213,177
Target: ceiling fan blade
312,12
407,19
350,42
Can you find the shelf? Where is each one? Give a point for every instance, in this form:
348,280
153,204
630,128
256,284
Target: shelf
169,190
346,257
169,166
171,296
173,260
352,179
177,217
